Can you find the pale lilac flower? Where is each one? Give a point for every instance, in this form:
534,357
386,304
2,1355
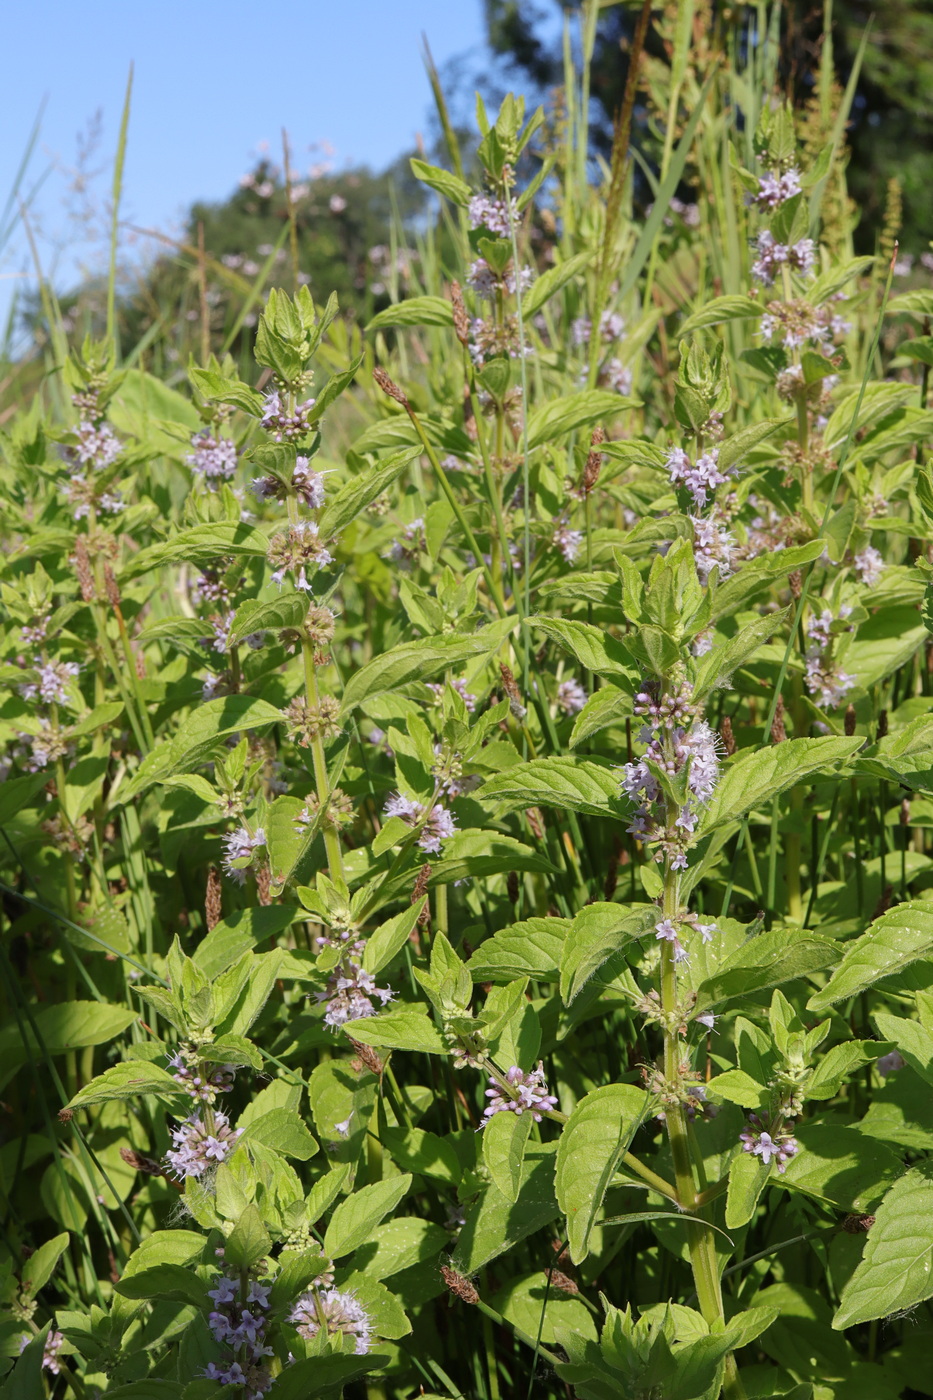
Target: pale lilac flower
758,1141
282,425
241,845
53,683
771,256
568,542
700,479
713,546
437,688
774,189
307,484
340,1312
492,214
890,1063
707,1019
869,565
665,931
571,697
350,994
97,447
617,377
530,1095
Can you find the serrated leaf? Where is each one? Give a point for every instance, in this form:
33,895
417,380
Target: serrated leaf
390,938
451,186
356,1217
597,932
572,784
414,311
197,738
768,960
730,308
420,660
239,933
125,1081
271,614
198,545
592,646
759,775
607,706
894,941
40,1266
248,1242
735,1086
530,948
914,1041
896,1271
505,1137
735,445
556,417
495,1224
840,1165
551,282
597,1133
355,495
716,668
283,1130
402,1028
165,1281
748,1177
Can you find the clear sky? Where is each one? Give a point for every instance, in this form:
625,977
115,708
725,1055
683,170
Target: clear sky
212,80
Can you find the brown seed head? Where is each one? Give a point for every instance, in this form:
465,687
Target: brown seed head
461,319
388,386
65,1115
367,1055
858,1224
562,1281
850,721
882,729
511,886
461,1287
140,1162
778,728
264,885
535,822
594,461
213,910
727,736
83,570
110,584
905,812
796,583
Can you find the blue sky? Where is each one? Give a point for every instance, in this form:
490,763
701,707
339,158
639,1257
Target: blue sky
212,80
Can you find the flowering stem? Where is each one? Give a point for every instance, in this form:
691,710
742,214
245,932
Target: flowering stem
321,781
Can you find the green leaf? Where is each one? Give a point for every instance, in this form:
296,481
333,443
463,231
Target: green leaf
355,495
731,308
400,1244
197,739
414,311
736,445
402,1028
354,1220
840,1165
477,854
894,941
896,1271
556,417
16,792
531,948
505,1137
767,960
495,1224
40,1265
450,186
287,610
748,1177
316,1374
735,1086
387,1313
125,1081
606,706
239,932
914,1041
420,660
597,1133
390,938
592,646
572,784
198,545
715,669
417,1151
248,1242
171,1281
62,1027
284,1131
598,931
551,281
833,1068
758,775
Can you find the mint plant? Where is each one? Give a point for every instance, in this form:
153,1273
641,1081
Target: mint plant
466,791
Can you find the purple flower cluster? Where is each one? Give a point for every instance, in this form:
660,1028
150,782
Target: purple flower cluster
214,458
198,1148
284,426
82,493
349,994
822,676
439,824
774,189
672,747
700,478
491,214
869,565
713,547
571,697
611,328
307,484
53,1345
669,931
241,845
97,446
437,688
530,1095
338,1312
799,256
758,1140
567,541
54,678
240,1324
297,551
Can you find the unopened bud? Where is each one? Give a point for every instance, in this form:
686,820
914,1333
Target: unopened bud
461,1287
850,721
461,319
388,386
778,728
